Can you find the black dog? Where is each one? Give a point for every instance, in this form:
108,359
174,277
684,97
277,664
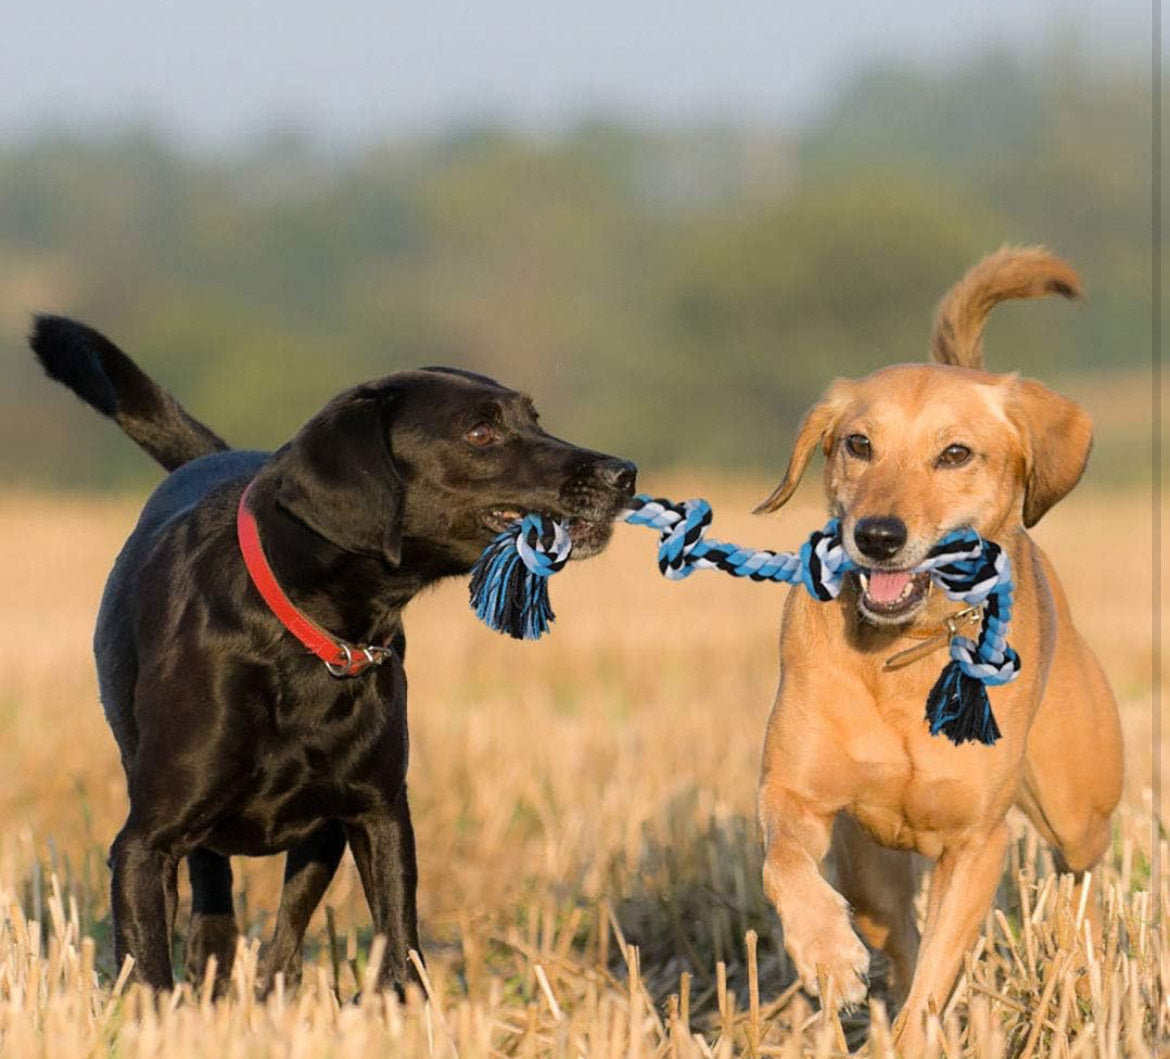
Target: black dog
234,738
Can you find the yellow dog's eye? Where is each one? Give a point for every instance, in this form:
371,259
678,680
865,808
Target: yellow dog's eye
954,455
481,434
858,445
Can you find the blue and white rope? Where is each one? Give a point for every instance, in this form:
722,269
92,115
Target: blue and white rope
979,573
542,559
966,567
820,565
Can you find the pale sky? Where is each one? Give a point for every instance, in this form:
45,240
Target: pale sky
216,71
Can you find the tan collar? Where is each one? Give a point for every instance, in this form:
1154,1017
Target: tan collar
933,638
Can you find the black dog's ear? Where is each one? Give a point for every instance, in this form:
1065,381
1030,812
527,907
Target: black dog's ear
338,477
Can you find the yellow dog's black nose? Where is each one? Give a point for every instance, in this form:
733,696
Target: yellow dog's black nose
880,538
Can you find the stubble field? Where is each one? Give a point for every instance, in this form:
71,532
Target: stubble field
584,810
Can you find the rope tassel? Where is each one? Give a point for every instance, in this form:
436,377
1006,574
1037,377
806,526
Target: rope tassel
509,591
976,572
958,707
509,582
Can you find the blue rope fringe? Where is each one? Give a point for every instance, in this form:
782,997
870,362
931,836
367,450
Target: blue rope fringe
509,582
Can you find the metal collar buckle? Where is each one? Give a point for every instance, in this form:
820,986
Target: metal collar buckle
356,660
954,622
951,623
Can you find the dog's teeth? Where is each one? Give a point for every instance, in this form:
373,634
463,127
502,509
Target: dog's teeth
864,581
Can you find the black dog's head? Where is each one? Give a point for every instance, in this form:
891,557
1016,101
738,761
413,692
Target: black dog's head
428,466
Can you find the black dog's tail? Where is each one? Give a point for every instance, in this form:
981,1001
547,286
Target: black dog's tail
106,379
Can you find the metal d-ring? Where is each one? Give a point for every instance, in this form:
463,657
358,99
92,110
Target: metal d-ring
341,669
962,617
373,655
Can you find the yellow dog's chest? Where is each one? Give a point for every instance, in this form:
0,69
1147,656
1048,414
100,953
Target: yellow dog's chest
912,790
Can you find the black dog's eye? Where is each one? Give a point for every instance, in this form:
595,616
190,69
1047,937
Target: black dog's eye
481,434
858,445
954,455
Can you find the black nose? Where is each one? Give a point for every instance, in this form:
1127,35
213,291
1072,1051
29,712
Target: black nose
620,475
880,538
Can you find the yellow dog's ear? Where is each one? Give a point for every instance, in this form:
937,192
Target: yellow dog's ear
1057,435
815,429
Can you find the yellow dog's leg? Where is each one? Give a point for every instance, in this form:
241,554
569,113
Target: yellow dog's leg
962,889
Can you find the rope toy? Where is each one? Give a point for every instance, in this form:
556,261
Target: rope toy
509,582
509,592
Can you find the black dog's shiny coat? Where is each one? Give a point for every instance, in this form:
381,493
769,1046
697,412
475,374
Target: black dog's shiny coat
236,740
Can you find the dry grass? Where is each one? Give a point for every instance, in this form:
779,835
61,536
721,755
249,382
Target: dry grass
590,866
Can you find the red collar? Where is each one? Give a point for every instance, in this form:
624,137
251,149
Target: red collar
342,659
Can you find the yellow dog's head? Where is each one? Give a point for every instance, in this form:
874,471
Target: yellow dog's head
916,450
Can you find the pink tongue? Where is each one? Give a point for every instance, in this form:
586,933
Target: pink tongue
886,586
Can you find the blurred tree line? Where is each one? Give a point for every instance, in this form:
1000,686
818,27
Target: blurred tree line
678,296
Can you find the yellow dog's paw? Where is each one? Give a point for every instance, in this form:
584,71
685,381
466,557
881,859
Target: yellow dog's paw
830,949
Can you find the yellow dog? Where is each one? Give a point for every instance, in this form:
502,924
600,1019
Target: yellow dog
850,767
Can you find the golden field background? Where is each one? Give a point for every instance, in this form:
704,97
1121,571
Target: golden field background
584,813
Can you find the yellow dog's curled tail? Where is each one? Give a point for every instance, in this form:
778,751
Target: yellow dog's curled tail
1011,272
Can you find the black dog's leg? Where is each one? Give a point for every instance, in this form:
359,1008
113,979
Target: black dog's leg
383,847
142,900
213,918
308,870
171,899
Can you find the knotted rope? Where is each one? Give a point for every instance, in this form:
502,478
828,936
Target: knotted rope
509,582
509,591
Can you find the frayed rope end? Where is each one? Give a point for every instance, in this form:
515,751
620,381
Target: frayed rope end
509,582
958,707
